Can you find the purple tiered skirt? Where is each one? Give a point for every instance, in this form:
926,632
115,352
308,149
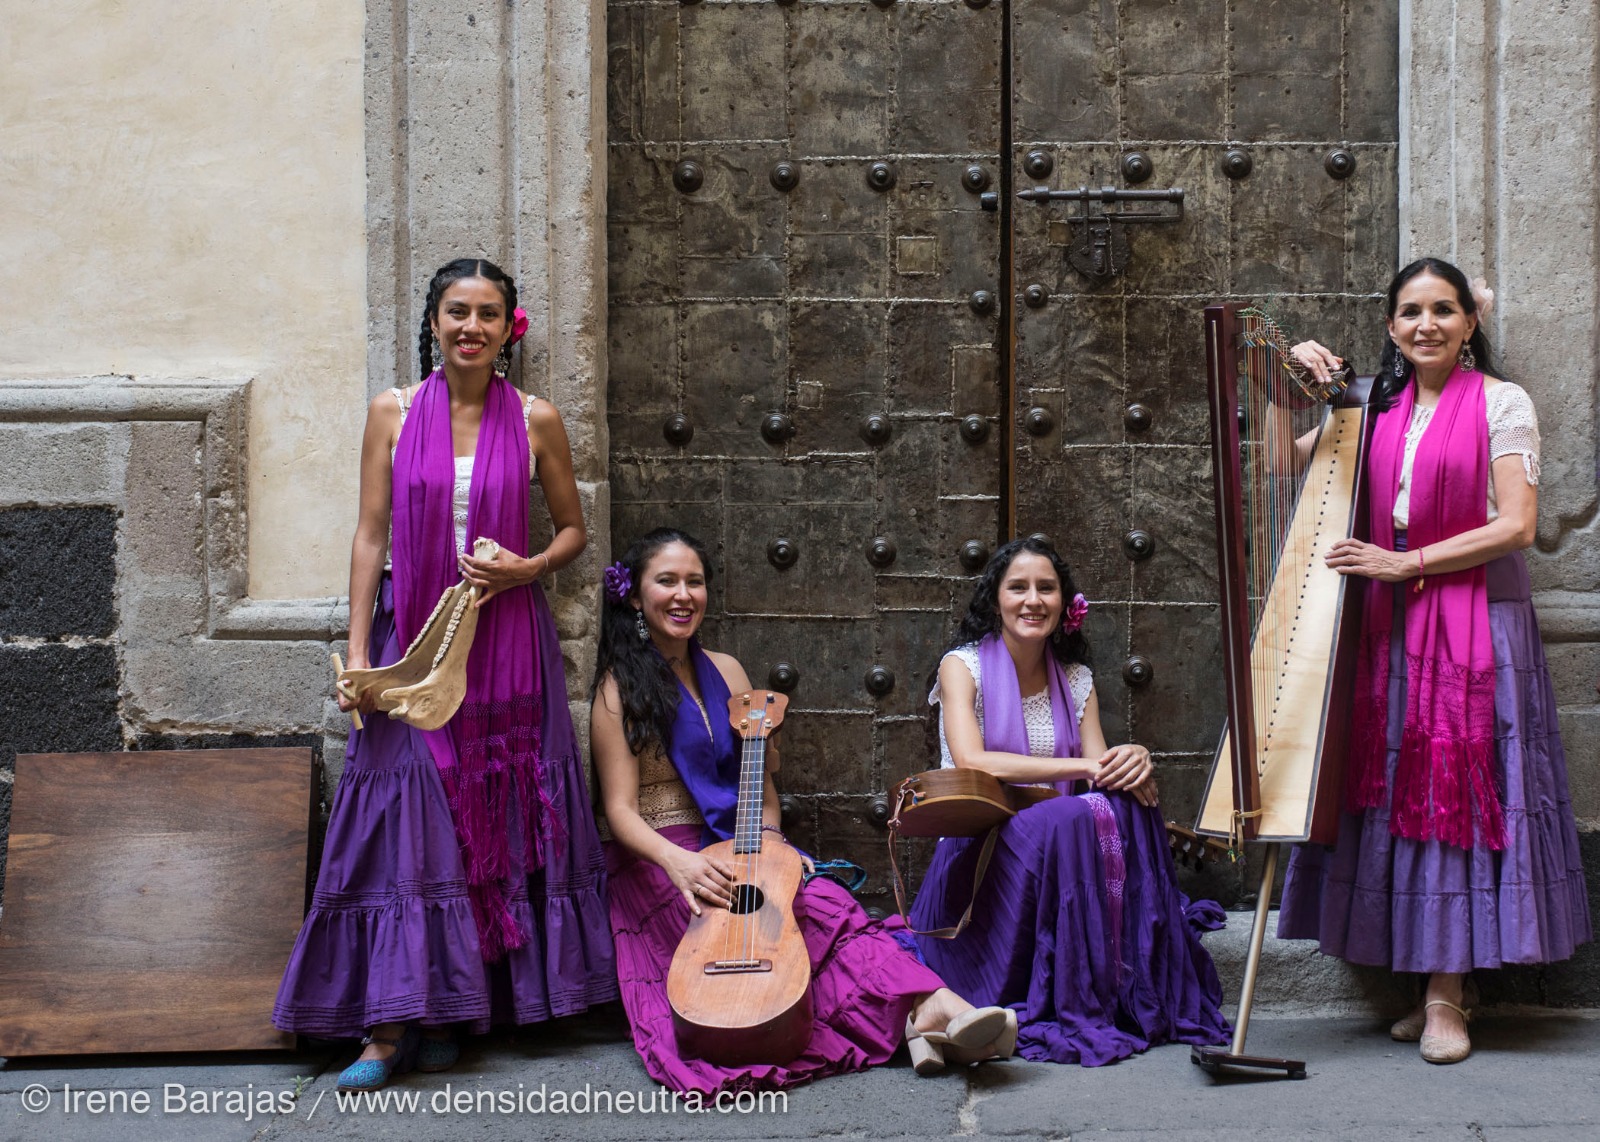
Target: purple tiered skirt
390,936
863,982
1425,906
1080,926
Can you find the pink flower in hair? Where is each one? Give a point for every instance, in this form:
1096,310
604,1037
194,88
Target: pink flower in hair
519,324
1076,610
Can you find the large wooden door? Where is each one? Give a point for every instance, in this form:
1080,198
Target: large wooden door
845,354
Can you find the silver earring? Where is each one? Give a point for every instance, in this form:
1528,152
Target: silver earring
438,352
1467,359
644,631
502,359
1399,361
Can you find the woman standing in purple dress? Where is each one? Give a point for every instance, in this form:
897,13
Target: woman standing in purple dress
1078,924
1458,849
462,882
668,763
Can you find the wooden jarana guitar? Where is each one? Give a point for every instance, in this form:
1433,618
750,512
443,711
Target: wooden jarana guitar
740,981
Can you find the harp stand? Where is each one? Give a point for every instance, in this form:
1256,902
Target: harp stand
1216,1061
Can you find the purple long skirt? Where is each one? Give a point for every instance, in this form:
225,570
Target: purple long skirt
863,983
390,936
1424,906
1095,975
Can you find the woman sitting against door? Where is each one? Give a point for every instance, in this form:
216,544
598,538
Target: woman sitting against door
1079,925
668,764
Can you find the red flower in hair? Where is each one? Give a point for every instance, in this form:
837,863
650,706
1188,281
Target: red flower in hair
519,324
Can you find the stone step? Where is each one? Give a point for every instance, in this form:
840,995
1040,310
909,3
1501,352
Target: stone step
1296,980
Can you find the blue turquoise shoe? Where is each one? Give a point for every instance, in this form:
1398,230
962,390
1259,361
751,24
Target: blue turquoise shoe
437,1054
371,1074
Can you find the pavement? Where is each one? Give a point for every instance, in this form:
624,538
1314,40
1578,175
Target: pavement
1533,1075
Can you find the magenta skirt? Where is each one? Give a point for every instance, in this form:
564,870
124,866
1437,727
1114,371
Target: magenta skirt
863,982
390,936
1425,906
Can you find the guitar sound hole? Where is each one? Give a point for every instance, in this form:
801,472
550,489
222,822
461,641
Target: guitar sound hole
746,898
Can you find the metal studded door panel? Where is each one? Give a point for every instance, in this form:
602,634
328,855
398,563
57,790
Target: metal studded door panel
816,365
800,298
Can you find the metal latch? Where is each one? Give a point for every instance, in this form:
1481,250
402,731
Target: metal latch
1099,248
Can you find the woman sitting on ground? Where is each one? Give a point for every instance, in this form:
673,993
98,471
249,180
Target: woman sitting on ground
668,765
1079,925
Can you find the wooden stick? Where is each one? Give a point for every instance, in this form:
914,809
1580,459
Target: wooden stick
338,669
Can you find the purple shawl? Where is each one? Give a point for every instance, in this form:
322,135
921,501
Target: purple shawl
1005,731
1003,728
488,754
707,764
1444,776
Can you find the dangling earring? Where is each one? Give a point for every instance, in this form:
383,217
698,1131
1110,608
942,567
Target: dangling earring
1467,359
1399,359
502,359
438,353
644,631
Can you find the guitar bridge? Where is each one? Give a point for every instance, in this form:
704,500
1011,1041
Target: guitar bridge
733,967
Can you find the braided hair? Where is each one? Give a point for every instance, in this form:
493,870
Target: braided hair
645,682
448,275
1389,386
983,612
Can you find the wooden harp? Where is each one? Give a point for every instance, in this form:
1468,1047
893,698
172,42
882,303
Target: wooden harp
1288,463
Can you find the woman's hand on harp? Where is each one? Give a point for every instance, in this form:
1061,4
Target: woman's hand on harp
1318,358
701,879
1353,557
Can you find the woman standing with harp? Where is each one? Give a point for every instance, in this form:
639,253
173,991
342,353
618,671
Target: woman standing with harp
1457,848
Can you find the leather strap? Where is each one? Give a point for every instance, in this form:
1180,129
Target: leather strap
977,883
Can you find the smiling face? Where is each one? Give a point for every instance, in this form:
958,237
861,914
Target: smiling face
1430,323
472,323
1029,602
672,595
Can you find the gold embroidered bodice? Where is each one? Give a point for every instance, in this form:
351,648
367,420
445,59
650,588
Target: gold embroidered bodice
663,799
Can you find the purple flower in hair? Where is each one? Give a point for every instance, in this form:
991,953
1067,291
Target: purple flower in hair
1072,619
618,581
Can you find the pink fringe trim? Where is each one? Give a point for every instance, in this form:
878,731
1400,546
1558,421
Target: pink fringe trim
500,765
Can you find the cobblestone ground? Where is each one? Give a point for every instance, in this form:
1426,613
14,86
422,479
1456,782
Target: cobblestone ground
1531,1077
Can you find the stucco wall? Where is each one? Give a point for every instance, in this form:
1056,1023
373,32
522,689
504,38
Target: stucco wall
185,198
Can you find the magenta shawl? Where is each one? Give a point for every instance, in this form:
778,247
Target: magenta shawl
488,754
1444,786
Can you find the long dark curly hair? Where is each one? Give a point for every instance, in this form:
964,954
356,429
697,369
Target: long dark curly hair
645,682
1388,386
983,612
448,275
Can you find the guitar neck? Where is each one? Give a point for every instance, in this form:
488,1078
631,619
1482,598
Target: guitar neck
752,789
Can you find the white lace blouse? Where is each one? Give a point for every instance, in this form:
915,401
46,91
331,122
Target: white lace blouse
1513,428
1035,707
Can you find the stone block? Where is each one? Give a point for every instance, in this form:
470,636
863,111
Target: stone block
164,521
57,465
58,571
211,685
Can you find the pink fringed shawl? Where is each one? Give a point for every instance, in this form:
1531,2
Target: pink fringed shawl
1444,785
489,753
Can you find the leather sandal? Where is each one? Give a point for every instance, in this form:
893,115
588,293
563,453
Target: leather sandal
1408,1029
1438,1049
972,1029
